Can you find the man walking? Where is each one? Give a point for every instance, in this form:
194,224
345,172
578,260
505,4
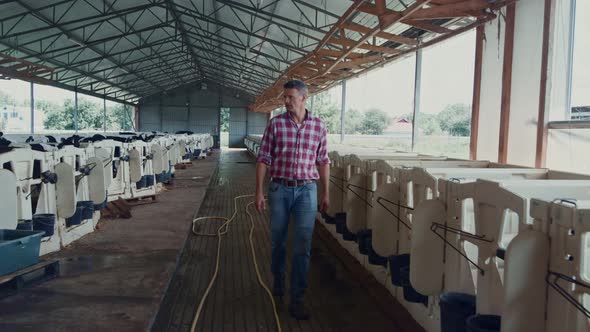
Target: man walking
294,147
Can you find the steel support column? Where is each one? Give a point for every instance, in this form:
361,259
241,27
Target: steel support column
104,115
417,89
343,112
32,108
76,110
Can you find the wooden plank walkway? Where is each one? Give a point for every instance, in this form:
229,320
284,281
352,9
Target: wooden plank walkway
237,302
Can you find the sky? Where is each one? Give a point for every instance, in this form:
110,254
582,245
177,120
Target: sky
21,90
447,77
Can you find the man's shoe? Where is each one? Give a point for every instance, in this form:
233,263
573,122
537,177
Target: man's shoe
297,311
278,287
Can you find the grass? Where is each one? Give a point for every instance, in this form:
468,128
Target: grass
451,146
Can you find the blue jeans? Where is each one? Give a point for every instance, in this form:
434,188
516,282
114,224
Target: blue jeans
301,202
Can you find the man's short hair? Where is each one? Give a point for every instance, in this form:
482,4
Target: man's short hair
296,84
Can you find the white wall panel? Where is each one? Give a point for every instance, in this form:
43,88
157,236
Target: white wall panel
526,77
491,91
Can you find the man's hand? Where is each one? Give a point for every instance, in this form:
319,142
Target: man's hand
260,203
259,197
325,203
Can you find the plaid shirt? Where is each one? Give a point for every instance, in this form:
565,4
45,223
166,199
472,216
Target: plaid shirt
294,152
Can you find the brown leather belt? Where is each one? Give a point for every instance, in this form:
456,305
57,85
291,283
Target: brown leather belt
292,183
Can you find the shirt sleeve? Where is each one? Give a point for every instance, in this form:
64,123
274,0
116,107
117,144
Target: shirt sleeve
266,146
322,153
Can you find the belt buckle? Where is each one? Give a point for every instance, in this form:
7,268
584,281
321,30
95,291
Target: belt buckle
289,183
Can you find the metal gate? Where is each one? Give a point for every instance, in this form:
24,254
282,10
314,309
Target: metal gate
237,127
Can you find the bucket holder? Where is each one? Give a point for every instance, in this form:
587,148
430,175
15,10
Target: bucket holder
65,189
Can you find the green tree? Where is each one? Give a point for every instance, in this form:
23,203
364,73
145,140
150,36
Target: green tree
6,98
353,121
374,122
327,111
225,120
89,116
455,119
428,124
120,117
330,115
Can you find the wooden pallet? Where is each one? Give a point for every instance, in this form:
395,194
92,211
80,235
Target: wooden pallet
148,199
183,165
116,209
35,274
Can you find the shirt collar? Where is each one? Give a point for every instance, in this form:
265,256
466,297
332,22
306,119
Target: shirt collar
308,116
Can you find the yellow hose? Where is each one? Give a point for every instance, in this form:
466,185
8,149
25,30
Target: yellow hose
222,230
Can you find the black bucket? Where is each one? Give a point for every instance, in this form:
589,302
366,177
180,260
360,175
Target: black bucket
455,308
376,259
25,225
396,263
142,183
86,209
410,294
484,323
149,180
44,222
364,241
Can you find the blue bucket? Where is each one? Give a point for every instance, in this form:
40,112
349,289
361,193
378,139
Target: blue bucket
18,249
142,183
410,294
149,180
98,207
329,219
338,219
86,209
396,263
161,177
376,259
25,225
455,308
340,226
364,241
484,323
44,222
77,218
346,234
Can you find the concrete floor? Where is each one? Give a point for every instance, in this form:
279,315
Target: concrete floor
115,278
237,302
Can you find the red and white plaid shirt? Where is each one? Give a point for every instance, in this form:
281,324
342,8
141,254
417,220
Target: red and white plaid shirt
294,152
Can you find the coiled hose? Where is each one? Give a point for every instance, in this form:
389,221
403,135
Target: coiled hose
222,230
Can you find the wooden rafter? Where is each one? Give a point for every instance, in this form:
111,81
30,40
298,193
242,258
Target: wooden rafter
342,55
22,69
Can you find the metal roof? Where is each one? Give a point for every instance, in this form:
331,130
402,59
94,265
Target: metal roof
128,49
125,50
